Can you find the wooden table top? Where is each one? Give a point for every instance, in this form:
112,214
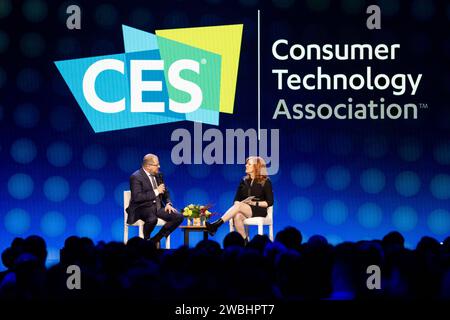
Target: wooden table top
193,227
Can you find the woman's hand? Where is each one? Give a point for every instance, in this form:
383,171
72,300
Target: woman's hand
262,204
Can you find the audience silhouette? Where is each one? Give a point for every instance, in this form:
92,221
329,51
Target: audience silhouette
285,270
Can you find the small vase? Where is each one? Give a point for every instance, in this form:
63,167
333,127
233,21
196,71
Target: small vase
197,222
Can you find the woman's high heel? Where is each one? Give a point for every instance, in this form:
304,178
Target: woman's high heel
212,227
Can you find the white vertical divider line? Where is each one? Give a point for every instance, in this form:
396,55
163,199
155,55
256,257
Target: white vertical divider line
259,75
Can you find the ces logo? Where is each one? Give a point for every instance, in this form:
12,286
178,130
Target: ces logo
175,75
138,86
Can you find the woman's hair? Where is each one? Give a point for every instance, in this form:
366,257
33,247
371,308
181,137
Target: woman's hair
260,169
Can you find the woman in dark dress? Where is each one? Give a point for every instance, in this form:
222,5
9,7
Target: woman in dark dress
256,184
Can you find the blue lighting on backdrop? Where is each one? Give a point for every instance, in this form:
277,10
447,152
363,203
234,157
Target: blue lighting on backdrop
376,147
59,154
28,80
23,151
53,224
303,175
410,150
300,209
89,225
439,222
94,157
56,189
370,215
407,183
196,196
92,191
335,212
26,115
20,186
372,180
17,222
440,186
442,153
404,218
62,118
337,178
128,159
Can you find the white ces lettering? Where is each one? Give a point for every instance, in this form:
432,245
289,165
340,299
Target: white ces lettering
138,86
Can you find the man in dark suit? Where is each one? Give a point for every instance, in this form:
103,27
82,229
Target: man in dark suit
150,200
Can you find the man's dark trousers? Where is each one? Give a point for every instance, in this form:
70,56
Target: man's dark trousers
150,217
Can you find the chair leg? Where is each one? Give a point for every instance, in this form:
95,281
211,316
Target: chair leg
231,225
260,229
141,231
168,242
271,232
125,233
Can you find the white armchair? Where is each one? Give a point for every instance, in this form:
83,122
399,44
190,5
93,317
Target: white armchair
139,223
260,222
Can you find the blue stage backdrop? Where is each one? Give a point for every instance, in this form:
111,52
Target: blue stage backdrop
344,179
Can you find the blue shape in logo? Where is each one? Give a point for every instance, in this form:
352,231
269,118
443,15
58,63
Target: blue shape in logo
138,40
112,84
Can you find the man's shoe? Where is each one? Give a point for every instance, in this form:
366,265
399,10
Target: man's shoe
158,237
157,243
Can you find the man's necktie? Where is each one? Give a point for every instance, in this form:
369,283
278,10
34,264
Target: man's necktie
152,181
154,186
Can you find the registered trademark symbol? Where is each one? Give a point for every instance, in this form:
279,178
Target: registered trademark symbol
203,61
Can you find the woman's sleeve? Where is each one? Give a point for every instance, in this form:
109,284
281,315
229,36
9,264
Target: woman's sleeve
239,196
268,192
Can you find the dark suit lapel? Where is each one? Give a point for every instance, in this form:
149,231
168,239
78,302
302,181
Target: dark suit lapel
145,178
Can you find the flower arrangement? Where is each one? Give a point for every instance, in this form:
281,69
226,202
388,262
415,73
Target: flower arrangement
197,214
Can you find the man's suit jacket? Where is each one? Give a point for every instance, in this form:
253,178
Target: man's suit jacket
142,195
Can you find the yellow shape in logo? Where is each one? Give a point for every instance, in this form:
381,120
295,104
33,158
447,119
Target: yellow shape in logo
223,40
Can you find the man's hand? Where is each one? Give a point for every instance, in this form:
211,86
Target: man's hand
161,188
169,208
